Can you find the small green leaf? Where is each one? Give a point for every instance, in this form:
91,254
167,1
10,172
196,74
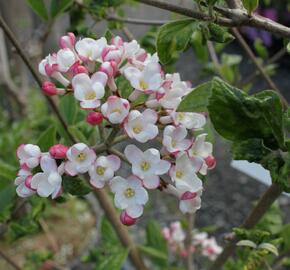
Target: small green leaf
47,139
75,186
124,87
173,37
107,232
288,47
77,133
261,49
269,247
250,5
7,196
7,171
57,7
39,8
247,243
108,35
115,261
153,252
219,34
68,108
197,99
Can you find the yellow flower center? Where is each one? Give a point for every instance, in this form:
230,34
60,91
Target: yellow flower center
145,166
137,128
173,143
81,156
100,170
129,193
143,85
180,116
179,174
90,95
117,110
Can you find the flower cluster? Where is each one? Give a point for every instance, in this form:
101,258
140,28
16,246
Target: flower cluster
201,243
88,69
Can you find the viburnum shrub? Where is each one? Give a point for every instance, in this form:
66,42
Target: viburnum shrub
168,150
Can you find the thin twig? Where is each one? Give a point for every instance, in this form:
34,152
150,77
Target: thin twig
254,59
265,202
52,241
213,56
135,20
37,78
188,241
9,260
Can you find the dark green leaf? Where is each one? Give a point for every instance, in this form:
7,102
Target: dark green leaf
237,116
250,5
75,186
108,35
252,150
47,139
57,7
197,99
107,232
39,8
7,195
173,37
115,261
124,87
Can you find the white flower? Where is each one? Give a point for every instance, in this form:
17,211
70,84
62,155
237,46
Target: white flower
183,174
210,248
88,90
49,181
129,195
65,58
80,158
189,120
115,109
103,170
29,155
23,183
141,126
148,80
147,165
200,151
90,49
177,233
174,139
191,205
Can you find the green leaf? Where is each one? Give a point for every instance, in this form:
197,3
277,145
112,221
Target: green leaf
288,47
7,196
285,234
153,252
269,247
7,171
108,35
68,108
237,116
252,150
197,99
108,233
219,34
39,8
173,37
124,87
77,133
261,49
57,7
247,243
250,5
47,139
75,186
115,261
156,242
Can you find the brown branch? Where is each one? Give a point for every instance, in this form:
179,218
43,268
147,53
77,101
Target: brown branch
101,195
265,202
9,260
259,66
232,17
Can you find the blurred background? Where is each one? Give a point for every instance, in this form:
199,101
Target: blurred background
62,234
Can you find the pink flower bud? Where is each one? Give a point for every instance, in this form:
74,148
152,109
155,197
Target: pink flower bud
110,68
188,195
49,88
117,41
210,162
94,118
27,182
126,219
67,41
58,151
184,253
112,53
